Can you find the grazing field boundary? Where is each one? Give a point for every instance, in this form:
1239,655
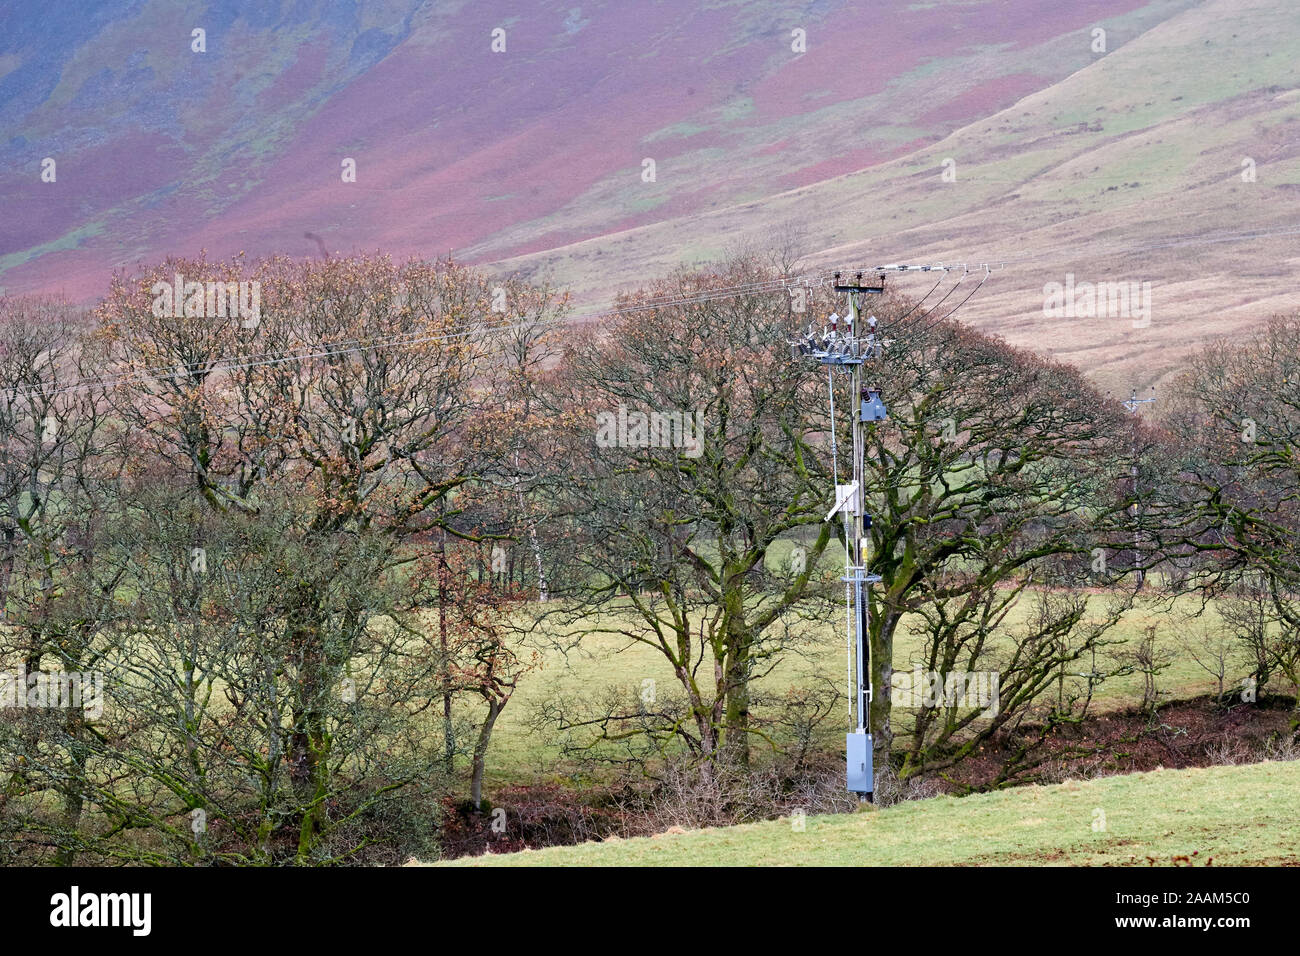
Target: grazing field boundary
1215,816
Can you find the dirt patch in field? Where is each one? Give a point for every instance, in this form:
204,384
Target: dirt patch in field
531,817
1188,733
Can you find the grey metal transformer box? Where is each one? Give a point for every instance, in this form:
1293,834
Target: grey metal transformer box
873,409
860,777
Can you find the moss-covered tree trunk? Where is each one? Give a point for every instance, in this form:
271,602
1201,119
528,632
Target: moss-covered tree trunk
881,634
736,670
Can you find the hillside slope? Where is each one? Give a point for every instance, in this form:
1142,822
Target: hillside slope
161,149
1130,169
1242,816
1118,162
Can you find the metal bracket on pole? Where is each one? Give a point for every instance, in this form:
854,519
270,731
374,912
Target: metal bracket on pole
846,500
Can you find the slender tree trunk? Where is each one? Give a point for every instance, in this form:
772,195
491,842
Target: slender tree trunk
7,568
495,707
73,802
318,779
310,759
706,722
448,728
537,553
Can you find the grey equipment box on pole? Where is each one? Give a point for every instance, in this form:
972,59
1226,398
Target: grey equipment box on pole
858,747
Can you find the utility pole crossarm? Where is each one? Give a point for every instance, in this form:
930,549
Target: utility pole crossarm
1133,402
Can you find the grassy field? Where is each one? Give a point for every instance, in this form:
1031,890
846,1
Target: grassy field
522,753
1233,816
